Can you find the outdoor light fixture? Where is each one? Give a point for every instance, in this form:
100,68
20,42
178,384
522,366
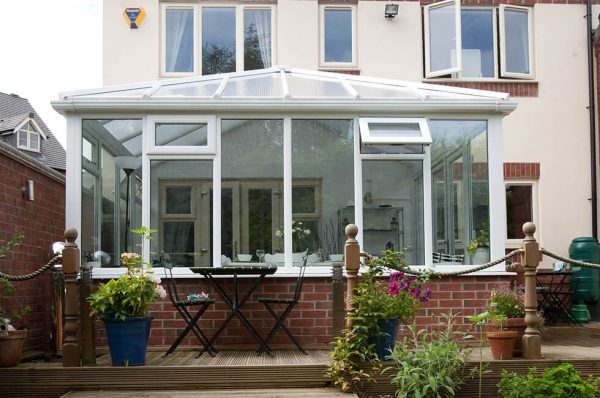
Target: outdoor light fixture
27,190
128,164
391,10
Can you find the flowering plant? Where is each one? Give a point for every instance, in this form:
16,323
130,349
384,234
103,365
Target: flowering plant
131,293
300,235
507,302
514,267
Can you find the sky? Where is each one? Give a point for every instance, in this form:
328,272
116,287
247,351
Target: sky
48,47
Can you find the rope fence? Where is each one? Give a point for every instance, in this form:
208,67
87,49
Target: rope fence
41,270
569,260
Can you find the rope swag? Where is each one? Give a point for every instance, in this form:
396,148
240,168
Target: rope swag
32,275
570,261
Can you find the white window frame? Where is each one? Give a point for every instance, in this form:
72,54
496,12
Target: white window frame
163,38
503,72
322,62
37,131
367,138
153,149
458,39
533,183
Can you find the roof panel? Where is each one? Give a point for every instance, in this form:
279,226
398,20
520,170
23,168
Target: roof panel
382,91
305,86
267,85
189,89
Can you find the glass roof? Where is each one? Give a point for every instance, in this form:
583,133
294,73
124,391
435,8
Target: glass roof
286,86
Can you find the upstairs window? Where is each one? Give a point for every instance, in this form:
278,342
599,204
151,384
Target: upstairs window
28,137
462,42
215,39
338,36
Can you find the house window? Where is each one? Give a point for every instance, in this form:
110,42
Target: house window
520,208
211,39
28,137
186,134
461,42
338,36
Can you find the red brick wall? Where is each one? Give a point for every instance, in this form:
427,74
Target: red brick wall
521,170
42,222
311,320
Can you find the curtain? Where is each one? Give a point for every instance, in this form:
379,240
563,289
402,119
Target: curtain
262,21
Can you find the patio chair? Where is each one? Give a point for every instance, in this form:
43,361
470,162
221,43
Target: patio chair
182,306
289,303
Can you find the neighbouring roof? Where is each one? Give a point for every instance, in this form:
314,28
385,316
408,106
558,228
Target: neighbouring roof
13,111
279,88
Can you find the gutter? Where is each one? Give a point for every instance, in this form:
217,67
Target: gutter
592,116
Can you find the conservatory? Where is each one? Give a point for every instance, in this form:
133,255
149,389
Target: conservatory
261,166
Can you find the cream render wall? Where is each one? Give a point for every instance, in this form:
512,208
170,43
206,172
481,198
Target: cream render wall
551,129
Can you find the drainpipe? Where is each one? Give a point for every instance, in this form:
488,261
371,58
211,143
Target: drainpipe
592,112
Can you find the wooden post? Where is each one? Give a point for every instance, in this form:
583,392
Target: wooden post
530,259
352,263
339,312
70,260
88,348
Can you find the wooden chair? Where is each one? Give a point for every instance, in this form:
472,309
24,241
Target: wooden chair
289,304
182,305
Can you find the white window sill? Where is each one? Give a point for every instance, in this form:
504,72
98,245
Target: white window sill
475,80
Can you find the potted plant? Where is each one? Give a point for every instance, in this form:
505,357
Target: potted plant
508,303
519,269
380,304
301,236
122,304
478,247
502,341
12,331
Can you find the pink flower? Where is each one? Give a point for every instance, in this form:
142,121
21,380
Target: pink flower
160,291
394,289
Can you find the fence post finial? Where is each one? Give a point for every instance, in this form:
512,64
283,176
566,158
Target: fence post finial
530,259
352,263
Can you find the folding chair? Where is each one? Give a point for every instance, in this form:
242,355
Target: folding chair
290,303
182,307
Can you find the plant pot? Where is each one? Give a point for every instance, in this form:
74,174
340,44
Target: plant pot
385,342
502,343
128,339
11,347
481,255
518,325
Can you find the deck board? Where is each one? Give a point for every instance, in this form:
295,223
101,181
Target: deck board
243,393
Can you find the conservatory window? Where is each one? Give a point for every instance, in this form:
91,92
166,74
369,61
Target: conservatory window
461,42
338,36
225,39
394,135
28,137
181,134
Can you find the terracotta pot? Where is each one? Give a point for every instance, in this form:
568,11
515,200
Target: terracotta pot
11,346
502,343
517,325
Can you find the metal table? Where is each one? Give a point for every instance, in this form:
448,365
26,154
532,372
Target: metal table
553,295
234,300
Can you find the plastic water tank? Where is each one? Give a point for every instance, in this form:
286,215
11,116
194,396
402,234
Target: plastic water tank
585,282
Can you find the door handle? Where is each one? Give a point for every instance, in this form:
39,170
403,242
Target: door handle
203,251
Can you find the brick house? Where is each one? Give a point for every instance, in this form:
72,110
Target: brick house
30,152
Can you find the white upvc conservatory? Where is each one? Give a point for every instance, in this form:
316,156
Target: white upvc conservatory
279,161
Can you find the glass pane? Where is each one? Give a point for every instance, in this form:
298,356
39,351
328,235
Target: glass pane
393,218
227,235
179,40
384,148
303,200
23,138
34,141
442,38
516,41
179,200
252,163
89,241
338,35
254,86
394,130
181,134
182,214
88,151
477,43
257,39
107,205
440,242
218,40
178,242
322,154
519,209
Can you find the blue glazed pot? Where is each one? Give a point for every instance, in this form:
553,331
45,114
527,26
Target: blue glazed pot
128,339
384,343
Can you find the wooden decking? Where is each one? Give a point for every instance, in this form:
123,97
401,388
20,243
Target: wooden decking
243,393
182,372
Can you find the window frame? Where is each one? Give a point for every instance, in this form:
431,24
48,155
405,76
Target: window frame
153,149
239,35
502,38
322,62
427,39
22,129
516,243
366,138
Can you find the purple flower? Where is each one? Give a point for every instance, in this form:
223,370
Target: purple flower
394,289
396,276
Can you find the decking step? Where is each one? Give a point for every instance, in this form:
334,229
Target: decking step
245,393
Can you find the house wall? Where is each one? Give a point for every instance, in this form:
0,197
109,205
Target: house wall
42,222
549,125
311,320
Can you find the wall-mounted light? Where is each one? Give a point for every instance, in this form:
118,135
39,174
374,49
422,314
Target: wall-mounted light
391,10
27,190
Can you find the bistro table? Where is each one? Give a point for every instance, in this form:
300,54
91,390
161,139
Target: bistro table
554,296
234,300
